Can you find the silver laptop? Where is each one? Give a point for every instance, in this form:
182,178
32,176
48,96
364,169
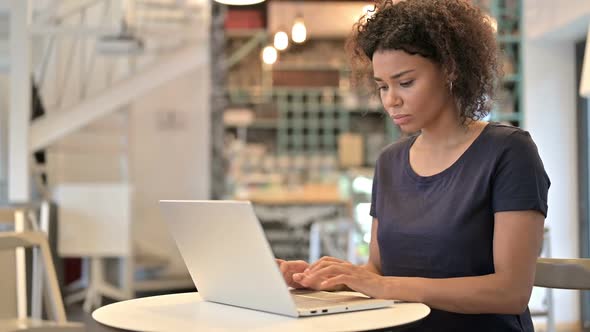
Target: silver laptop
230,261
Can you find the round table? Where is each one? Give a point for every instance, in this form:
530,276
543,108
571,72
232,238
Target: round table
188,312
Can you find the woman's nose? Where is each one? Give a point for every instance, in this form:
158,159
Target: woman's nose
391,101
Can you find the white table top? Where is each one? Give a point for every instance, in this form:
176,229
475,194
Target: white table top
188,312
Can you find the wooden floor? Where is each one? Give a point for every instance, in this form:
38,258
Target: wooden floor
76,313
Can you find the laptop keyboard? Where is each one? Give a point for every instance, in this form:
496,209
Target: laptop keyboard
322,299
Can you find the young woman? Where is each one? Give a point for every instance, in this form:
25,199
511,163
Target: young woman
459,207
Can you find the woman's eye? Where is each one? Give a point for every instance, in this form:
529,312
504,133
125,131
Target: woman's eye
381,88
406,84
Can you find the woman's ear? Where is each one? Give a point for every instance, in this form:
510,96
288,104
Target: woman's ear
452,77
450,72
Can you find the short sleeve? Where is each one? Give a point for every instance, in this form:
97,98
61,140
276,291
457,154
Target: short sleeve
374,192
520,181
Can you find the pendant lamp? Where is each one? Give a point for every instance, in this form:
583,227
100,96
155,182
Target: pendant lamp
239,2
299,31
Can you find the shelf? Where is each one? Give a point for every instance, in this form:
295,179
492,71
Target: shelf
362,111
509,39
243,33
259,124
309,66
512,78
265,124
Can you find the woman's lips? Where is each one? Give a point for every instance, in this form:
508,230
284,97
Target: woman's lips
402,119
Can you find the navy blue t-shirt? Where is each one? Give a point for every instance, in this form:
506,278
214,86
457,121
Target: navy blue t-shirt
442,226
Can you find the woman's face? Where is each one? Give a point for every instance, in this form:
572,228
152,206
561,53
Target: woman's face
412,89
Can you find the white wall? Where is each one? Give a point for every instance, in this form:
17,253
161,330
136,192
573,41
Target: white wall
551,29
550,117
7,258
170,156
4,97
163,163
550,19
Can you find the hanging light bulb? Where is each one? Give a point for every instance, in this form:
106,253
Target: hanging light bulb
298,32
281,41
239,2
269,55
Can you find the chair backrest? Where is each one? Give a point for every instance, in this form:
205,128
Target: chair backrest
38,240
563,273
8,289
8,300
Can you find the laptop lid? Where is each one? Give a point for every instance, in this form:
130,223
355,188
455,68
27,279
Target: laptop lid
227,255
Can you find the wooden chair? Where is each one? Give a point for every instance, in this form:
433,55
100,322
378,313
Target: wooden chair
55,310
561,273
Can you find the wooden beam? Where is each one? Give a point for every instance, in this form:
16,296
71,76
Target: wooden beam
49,128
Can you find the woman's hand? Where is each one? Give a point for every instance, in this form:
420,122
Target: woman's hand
330,273
288,268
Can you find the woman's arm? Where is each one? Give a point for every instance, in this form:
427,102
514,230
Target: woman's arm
518,237
374,262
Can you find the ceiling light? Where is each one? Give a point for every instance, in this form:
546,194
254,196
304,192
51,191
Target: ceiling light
281,40
269,55
299,32
239,2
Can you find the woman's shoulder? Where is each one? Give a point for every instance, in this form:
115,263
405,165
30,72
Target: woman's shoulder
508,145
499,130
395,150
506,136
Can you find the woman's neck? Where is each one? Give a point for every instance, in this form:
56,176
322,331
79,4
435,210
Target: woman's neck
447,132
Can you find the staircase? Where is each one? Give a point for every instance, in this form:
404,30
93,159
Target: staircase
88,90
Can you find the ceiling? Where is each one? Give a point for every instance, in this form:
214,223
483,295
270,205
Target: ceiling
324,19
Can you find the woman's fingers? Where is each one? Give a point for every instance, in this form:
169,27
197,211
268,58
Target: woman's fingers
324,262
308,282
314,279
293,266
339,275
288,268
338,280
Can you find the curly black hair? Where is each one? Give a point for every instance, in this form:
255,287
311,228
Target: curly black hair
453,33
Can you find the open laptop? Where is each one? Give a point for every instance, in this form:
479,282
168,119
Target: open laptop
230,261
